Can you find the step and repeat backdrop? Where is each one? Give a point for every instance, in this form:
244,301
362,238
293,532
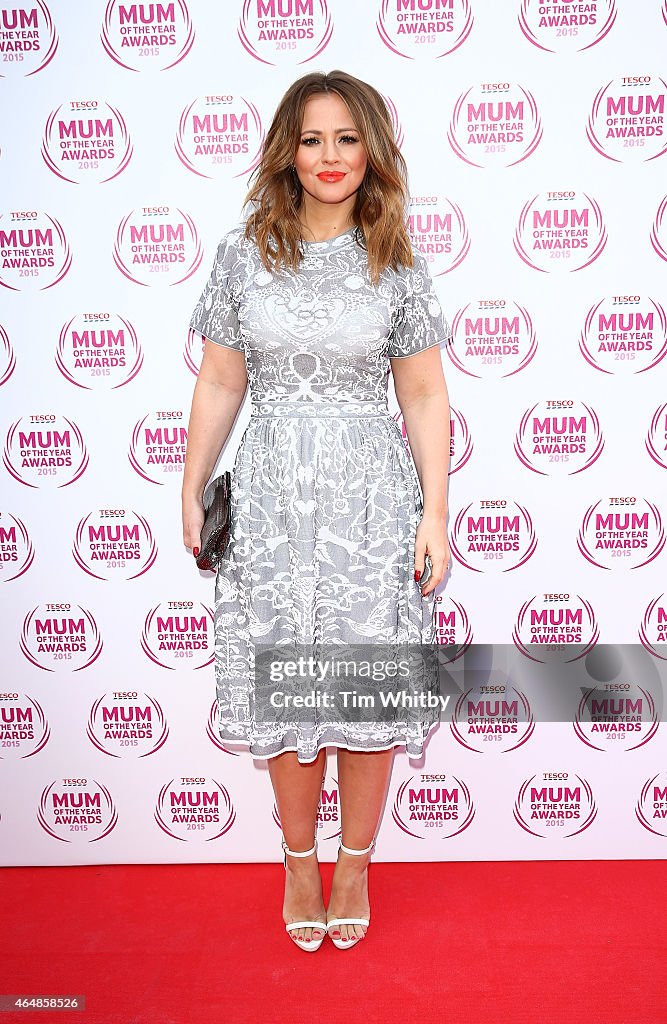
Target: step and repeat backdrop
536,144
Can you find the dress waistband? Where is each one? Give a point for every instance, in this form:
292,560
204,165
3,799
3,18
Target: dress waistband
307,408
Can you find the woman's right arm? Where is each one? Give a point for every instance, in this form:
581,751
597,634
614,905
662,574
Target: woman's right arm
218,395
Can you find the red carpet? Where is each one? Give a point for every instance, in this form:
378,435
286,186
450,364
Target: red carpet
576,942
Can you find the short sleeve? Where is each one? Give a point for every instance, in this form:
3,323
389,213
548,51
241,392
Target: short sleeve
216,313
418,321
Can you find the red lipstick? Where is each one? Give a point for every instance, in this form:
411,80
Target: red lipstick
331,175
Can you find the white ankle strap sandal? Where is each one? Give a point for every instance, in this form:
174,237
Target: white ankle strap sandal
355,853
309,945
336,922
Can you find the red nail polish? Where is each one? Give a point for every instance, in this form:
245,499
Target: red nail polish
418,575
195,551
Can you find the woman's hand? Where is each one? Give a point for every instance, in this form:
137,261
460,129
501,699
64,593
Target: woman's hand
431,540
193,520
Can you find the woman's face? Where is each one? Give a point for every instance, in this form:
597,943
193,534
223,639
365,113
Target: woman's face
330,160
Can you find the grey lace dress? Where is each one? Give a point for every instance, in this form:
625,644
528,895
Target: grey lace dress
325,495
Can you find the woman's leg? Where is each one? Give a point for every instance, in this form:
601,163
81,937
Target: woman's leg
363,779
297,788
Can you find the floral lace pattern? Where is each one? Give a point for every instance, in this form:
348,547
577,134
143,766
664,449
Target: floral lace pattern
325,495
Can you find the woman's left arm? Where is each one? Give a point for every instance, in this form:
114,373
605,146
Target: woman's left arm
421,392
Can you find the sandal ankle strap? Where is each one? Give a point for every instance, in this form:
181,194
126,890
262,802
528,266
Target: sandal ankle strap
294,853
355,853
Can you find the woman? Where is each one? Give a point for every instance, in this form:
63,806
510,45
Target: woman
308,300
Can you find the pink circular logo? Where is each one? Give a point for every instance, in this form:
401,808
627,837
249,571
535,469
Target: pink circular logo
653,628
29,39
126,723
112,543
77,810
438,228
7,357
99,351
433,806
555,805
452,626
560,231
651,808
627,119
624,334
424,28
24,728
492,718
549,625
147,36
16,549
44,450
659,230
86,140
492,338
192,808
493,535
278,32
559,437
616,717
157,245
34,252
220,136
621,533
566,27
60,636
179,634
158,445
496,124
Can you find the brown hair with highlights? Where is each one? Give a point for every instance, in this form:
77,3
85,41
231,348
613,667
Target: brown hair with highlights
380,210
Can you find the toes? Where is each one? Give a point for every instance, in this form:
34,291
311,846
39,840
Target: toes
306,934
348,932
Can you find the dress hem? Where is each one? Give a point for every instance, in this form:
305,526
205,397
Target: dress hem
323,746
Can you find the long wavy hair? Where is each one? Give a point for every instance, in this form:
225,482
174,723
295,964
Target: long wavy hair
381,202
